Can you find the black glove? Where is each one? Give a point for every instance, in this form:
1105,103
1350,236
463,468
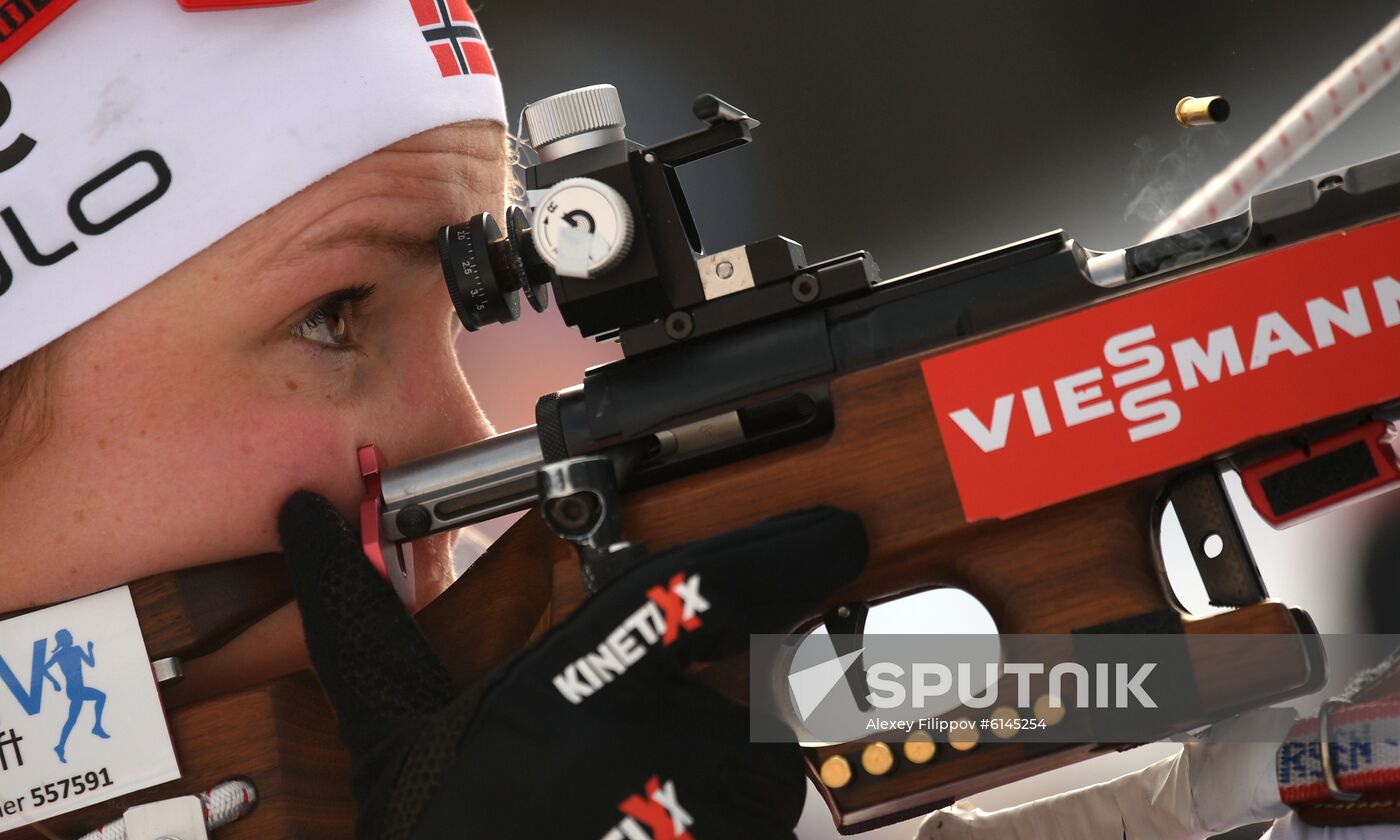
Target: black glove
597,731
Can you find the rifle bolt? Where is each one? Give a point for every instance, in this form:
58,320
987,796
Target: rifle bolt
574,513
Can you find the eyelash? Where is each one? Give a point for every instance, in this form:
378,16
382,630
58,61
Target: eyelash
339,306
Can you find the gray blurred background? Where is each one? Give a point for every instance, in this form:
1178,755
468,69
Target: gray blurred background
924,132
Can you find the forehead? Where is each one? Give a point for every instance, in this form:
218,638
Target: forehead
408,189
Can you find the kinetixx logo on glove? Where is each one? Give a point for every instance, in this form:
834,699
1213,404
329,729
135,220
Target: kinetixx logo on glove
660,811
667,611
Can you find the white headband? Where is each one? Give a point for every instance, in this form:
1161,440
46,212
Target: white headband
134,134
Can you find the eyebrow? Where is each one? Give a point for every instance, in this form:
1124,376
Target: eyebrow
379,238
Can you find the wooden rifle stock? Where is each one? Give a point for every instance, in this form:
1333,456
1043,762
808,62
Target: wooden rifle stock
1077,564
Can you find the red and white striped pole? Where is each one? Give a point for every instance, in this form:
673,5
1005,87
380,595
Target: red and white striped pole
1317,114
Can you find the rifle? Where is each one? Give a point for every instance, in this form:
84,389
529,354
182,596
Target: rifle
1011,424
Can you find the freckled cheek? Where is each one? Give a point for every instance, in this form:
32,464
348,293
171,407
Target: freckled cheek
275,451
269,447
176,482
228,475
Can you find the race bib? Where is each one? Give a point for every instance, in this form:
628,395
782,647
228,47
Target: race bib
80,719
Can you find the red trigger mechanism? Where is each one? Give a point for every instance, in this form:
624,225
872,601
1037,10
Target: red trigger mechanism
393,560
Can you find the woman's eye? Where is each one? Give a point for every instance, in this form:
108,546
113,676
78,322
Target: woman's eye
325,326
329,323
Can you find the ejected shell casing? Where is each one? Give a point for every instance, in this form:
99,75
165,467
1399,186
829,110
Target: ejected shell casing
1193,111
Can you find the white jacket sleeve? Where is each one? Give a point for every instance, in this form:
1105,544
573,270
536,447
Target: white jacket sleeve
1213,785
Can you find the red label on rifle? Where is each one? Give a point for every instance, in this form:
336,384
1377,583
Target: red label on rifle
1172,374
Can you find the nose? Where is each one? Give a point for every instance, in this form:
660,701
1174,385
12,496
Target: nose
435,409
451,417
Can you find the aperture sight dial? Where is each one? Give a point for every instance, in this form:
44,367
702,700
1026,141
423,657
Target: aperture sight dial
582,227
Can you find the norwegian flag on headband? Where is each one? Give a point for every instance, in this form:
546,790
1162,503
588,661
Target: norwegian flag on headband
453,35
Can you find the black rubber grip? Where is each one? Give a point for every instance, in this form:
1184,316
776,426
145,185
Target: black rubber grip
550,428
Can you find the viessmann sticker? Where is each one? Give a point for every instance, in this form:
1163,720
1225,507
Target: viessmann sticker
80,720
1171,374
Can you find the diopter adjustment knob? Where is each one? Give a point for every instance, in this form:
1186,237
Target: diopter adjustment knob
479,266
574,120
